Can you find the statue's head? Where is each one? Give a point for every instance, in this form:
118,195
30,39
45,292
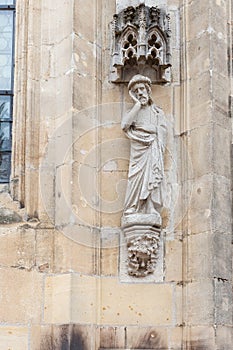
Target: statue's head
140,87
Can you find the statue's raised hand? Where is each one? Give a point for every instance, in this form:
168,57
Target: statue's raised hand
135,99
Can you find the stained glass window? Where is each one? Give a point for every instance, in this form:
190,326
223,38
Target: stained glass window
7,14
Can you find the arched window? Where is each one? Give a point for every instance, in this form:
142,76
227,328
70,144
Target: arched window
7,14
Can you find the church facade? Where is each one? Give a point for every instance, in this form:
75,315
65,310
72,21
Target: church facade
116,174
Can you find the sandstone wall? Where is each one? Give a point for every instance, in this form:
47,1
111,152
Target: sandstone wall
62,280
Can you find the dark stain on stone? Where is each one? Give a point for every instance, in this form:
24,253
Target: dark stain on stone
65,337
48,343
112,337
151,340
196,345
77,340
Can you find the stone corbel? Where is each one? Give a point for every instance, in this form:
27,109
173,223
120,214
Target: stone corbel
142,233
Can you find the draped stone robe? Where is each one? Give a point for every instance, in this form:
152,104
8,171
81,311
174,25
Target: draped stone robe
146,170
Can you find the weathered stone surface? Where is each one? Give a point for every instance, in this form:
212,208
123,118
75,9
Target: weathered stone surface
200,337
163,98
14,337
53,15
175,338
198,23
8,216
222,201
44,250
224,335
223,297
17,247
200,204
85,306
130,308
173,261
57,292
178,303
199,300
205,145
110,241
84,10
24,290
74,250
64,336
208,256
112,337
199,55
199,104
62,104
146,338
80,292
50,280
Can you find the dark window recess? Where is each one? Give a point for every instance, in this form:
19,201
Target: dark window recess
7,28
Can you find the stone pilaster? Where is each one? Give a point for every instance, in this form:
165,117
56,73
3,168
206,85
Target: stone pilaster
206,132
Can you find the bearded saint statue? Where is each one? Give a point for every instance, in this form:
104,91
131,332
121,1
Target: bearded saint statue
144,125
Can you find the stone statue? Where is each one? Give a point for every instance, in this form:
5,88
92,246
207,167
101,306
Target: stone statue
145,126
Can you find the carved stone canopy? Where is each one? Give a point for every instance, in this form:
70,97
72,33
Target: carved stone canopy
141,44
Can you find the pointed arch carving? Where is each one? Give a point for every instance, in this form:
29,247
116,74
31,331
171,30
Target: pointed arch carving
141,44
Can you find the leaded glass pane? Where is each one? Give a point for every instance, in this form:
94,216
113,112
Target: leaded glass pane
6,85
5,167
5,136
7,2
5,108
6,37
